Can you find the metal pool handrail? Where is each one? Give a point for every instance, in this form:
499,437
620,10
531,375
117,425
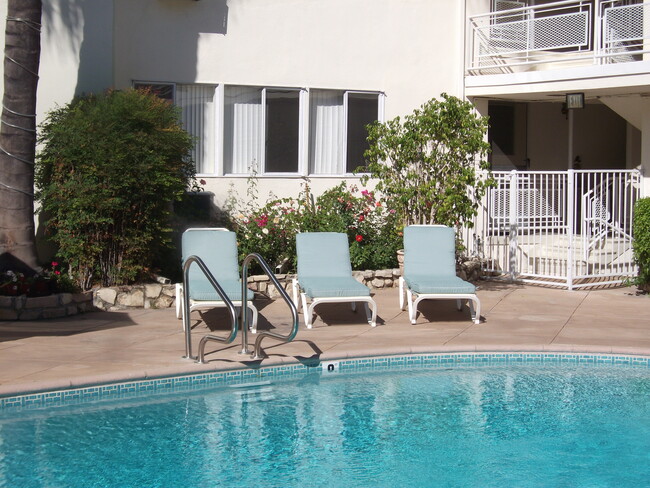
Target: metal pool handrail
261,335
186,309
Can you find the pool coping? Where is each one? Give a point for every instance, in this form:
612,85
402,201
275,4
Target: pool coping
38,395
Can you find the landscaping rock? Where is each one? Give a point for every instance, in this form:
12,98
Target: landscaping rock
41,302
163,301
108,295
384,273
133,299
82,297
54,313
31,314
153,290
8,314
358,275
272,292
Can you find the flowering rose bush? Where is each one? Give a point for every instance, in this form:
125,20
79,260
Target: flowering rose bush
50,280
371,228
270,230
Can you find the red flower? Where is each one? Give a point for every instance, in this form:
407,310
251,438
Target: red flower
57,272
359,238
54,264
361,217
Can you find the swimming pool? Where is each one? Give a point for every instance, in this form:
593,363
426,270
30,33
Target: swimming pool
523,423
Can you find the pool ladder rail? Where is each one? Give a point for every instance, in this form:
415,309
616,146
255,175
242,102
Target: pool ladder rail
257,353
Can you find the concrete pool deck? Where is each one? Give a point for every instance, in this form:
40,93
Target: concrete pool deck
107,347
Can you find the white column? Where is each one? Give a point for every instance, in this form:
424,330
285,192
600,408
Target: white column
645,147
512,236
570,155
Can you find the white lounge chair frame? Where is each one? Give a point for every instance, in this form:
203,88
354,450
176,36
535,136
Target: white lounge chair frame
412,298
370,305
207,304
408,296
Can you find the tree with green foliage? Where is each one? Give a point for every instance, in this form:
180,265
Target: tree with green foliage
426,165
110,167
641,245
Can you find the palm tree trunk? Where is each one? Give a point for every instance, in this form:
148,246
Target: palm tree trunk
18,133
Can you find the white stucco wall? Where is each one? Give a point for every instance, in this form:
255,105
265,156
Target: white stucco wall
76,50
599,137
390,46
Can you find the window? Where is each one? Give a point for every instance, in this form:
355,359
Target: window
239,129
282,129
197,104
261,129
362,111
337,129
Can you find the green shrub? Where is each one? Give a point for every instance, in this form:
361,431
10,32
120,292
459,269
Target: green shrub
110,167
642,241
426,163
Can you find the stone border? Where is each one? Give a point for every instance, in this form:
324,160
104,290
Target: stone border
152,295
48,307
155,295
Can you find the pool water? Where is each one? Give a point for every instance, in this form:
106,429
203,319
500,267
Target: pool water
464,427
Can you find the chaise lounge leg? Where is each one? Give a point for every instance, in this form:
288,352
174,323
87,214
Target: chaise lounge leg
411,306
307,310
475,310
371,313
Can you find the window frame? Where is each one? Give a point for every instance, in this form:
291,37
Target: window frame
218,163
381,97
380,118
301,142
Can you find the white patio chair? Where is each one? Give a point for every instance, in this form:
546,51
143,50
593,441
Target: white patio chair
217,248
325,275
430,270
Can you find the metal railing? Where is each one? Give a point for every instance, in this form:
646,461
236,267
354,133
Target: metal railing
257,353
569,228
567,31
623,36
186,310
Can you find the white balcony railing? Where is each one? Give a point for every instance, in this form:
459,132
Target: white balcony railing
569,32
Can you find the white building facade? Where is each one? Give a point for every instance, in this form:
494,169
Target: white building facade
284,88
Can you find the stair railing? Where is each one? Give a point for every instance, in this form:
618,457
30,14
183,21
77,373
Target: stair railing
257,353
186,310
